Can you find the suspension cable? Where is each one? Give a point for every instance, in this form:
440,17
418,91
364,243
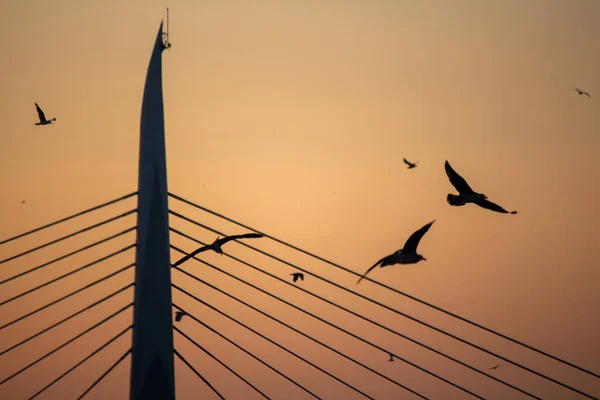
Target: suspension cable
68,218
105,373
440,309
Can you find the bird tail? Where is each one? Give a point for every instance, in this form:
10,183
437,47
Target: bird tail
454,201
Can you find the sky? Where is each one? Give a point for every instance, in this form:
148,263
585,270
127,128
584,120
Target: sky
294,118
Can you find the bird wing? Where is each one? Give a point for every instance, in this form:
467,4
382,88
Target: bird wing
587,94
456,180
492,206
40,113
178,317
192,254
413,241
244,236
370,269
302,276
406,161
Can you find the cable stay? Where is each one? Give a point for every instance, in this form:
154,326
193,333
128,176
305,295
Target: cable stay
423,302
68,218
198,374
244,350
389,308
359,316
105,373
219,361
68,236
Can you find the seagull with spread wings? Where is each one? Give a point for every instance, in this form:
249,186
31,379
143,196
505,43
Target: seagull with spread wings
43,120
583,93
216,245
406,255
297,275
467,195
179,315
410,165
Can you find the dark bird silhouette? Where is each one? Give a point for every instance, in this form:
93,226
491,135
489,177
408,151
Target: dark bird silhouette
583,93
43,120
22,201
179,315
410,165
467,195
406,255
495,366
391,358
297,275
216,245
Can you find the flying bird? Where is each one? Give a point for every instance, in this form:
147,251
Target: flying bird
495,366
297,275
467,195
216,245
581,92
22,201
179,315
406,255
391,358
410,165
43,120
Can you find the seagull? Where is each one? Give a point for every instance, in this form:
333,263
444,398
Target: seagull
581,92
391,358
467,195
410,165
43,120
179,315
496,366
297,275
406,255
216,245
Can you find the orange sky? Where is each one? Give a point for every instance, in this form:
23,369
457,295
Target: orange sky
294,119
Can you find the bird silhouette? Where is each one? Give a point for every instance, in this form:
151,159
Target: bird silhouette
42,116
297,275
495,366
583,93
179,315
410,165
467,195
22,201
391,358
216,245
406,255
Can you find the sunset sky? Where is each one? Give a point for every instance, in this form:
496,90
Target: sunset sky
293,118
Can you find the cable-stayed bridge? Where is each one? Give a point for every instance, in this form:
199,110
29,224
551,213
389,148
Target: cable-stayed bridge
70,324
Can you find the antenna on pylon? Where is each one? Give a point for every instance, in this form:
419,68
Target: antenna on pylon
166,43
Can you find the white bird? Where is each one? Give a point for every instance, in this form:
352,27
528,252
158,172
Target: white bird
43,120
581,92
467,195
406,255
410,165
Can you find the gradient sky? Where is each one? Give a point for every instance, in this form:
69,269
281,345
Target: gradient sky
294,117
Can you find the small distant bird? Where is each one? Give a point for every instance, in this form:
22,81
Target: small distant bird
410,165
216,245
495,366
22,201
179,315
43,120
391,358
406,255
581,92
467,195
297,275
